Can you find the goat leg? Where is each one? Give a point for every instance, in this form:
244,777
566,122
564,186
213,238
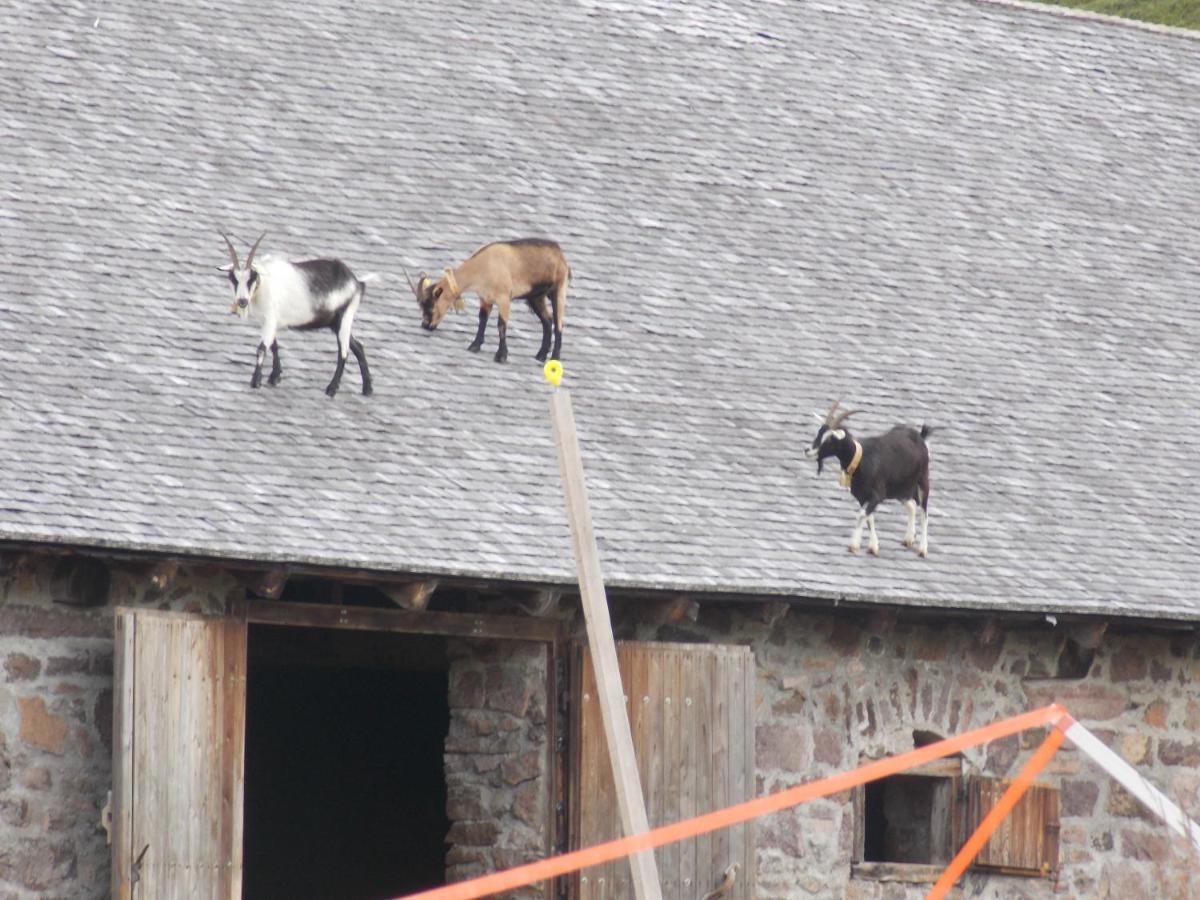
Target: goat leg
256,378
478,342
360,354
873,543
502,328
276,369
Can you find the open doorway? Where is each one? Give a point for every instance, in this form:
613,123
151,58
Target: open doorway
345,788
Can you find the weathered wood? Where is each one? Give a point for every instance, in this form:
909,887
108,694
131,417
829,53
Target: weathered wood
1027,840
311,615
123,672
675,743
180,790
415,595
914,873
630,800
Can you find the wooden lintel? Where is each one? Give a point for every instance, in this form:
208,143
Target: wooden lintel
311,615
414,595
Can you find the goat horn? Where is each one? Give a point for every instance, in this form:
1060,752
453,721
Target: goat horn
410,283
232,252
250,258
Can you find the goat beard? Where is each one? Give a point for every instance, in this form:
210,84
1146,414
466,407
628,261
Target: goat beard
239,311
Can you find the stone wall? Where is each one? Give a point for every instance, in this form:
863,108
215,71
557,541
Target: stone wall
497,760
833,692
56,695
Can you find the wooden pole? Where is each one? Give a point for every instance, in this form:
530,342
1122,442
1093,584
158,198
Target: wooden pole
604,651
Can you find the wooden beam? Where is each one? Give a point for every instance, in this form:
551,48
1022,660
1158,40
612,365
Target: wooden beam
312,615
611,696
414,595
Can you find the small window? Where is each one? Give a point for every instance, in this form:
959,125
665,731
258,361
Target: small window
907,825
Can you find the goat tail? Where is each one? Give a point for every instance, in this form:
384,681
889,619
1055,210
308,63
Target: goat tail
371,278
927,430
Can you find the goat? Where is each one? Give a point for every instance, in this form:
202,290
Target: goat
529,269
890,466
307,294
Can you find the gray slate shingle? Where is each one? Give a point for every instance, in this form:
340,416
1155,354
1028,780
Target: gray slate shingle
971,214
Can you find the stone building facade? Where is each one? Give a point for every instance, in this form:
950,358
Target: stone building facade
834,688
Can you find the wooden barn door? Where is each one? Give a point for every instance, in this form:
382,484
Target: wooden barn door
179,731
691,709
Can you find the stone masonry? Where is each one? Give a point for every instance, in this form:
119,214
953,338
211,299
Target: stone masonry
497,761
833,690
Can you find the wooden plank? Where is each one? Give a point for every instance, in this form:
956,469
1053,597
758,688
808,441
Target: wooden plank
187,798
687,765
674,742
671,754
311,615
718,771
233,746
125,638
600,640
1019,844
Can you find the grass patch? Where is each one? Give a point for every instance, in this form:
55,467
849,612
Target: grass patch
1181,13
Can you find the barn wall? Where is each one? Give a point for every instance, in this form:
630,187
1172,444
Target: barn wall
56,726
832,692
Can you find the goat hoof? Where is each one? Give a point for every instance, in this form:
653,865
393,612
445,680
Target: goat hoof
500,357
474,348
909,543
923,552
540,356
874,551
274,380
853,549
368,391
331,390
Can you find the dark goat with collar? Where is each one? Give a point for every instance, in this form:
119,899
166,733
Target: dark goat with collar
889,466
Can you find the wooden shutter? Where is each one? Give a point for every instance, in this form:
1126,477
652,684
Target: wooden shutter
179,734
1027,840
691,711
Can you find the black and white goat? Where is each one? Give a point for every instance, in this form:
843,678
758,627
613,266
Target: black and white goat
308,294
890,466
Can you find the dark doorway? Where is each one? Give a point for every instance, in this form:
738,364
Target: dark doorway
345,790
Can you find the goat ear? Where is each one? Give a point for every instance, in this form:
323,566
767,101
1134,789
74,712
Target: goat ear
228,267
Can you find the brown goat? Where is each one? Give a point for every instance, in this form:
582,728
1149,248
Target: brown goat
529,269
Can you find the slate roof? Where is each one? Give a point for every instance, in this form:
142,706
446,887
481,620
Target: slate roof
977,215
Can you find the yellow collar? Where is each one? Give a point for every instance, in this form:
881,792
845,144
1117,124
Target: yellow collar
848,472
